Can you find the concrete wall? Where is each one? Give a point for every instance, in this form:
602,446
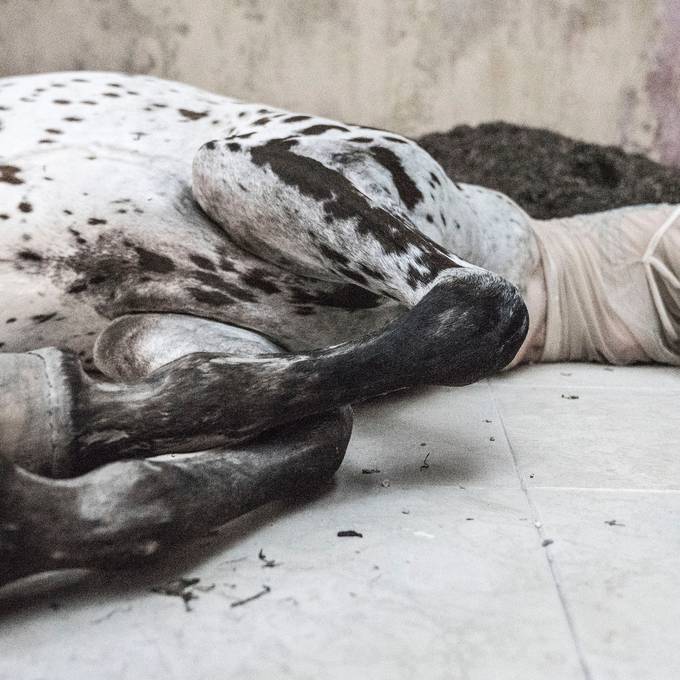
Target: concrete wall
602,70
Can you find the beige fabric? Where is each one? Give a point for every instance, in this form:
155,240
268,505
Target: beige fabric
613,285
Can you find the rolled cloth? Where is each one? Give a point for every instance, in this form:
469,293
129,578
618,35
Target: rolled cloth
613,285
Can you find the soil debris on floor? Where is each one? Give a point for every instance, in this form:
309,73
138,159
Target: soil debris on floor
266,562
183,588
246,600
349,533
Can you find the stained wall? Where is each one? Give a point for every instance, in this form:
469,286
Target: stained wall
602,70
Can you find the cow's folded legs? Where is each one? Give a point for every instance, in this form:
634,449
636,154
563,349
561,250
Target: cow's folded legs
470,324
133,510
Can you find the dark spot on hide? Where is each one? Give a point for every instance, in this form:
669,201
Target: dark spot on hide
231,289
77,287
353,275
210,297
192,115
344,297
320,129
25,207
42,318
295,119
154,262
96,220
333,255
258,278
30,256
76,233
406,187
8,174
202,262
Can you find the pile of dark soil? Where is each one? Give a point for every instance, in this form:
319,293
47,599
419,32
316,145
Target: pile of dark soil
548,174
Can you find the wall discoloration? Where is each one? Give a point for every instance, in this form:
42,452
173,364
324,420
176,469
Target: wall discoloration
662,86
605,70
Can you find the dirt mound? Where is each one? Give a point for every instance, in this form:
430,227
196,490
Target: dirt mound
548,174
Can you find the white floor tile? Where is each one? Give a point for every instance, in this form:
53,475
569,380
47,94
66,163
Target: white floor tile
594,437
617,556
457,429
590,375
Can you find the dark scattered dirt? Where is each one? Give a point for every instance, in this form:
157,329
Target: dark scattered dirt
260,593
548,174
184,588
266,562
350,533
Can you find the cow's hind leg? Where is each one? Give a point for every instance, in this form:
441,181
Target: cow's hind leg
134,346
279,202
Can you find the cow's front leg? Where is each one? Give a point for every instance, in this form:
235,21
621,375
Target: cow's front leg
134,510
45,393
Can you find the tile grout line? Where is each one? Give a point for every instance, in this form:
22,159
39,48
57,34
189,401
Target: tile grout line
535,516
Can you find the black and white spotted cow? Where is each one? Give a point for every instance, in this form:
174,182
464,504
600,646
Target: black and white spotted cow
232,267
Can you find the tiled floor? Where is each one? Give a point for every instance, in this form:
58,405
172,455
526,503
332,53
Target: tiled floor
525,527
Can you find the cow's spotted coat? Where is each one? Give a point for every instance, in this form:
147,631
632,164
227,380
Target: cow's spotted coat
307,230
